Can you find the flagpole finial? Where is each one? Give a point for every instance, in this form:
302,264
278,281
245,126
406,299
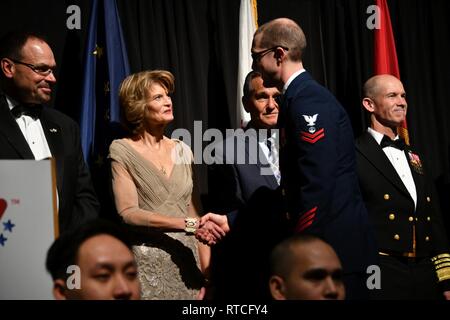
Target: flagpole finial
98,51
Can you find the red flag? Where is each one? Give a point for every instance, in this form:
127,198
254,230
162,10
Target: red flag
385,55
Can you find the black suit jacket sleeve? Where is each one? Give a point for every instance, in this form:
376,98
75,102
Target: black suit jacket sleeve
225,191
77,199
86,205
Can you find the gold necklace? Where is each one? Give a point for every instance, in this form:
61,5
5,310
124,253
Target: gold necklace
162,169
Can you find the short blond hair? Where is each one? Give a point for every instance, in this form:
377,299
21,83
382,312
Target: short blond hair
283,32
133,96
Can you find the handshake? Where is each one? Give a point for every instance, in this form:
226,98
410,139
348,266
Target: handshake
212,228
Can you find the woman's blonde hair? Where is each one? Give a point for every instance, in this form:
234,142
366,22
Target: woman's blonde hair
134,94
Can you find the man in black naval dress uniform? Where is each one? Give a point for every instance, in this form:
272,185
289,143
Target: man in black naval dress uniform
412,243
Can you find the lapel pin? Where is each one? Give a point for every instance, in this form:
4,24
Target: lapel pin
53,130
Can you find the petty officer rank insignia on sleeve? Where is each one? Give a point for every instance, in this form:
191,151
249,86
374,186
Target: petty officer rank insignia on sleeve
415,162
313,135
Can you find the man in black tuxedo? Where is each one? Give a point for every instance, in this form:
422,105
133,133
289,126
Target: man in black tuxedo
246,189
412,243
317,154
29,130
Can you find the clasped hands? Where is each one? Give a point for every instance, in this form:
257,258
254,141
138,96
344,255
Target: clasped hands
212,228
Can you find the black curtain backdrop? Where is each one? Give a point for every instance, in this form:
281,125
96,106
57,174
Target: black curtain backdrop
197,40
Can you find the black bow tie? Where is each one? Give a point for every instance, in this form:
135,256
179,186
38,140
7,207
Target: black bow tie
27,110
388,142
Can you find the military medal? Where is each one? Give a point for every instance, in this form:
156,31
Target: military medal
415,162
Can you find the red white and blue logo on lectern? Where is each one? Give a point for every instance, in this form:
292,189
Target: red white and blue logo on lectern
7,225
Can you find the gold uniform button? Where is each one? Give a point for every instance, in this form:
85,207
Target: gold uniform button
428,218
397,237
391,216
428,199
411,219
386,197
417,219
427,238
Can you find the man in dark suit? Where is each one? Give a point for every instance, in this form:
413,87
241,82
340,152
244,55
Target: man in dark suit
412,243
28,130
317,155
246,189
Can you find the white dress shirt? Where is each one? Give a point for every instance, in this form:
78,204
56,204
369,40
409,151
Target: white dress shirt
272,154
33,132
400,163
34,135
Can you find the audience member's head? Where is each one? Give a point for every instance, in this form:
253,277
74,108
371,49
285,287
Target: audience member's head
305,267
107,269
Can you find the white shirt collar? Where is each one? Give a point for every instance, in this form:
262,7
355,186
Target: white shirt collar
291,78
11,102
377,135
254,133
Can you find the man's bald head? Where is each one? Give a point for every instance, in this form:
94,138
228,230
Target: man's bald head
385,100
372,86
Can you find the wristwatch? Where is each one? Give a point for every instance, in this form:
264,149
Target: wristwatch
190,225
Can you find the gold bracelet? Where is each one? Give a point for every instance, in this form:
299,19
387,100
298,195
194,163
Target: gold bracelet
190,225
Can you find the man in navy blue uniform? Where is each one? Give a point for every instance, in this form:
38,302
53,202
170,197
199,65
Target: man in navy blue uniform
317,154
412,244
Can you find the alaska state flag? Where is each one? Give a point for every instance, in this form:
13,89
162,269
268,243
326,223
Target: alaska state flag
106,65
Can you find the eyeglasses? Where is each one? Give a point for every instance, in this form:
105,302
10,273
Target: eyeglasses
41,70
257,56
